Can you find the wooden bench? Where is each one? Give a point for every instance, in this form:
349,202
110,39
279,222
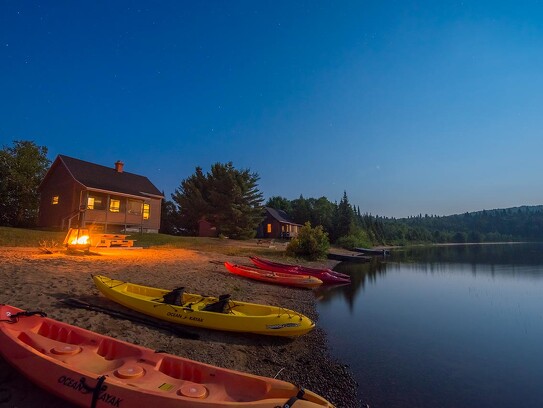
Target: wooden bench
113,240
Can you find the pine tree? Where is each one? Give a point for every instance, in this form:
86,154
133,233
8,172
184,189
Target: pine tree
226,197
235,203
191,200
345,217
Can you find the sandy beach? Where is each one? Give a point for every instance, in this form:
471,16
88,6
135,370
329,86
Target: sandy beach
33,280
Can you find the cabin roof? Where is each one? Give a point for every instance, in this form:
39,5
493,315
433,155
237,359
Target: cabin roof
280,215
98,177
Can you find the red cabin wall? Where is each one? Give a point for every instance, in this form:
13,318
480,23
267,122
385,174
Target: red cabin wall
59,183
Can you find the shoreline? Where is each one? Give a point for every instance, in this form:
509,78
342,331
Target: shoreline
32,280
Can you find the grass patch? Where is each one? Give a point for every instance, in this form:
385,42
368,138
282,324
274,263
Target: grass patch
19,237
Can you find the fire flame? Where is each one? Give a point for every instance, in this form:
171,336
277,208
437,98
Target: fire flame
82,240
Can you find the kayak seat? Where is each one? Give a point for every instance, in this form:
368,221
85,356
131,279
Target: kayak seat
220,306
175,297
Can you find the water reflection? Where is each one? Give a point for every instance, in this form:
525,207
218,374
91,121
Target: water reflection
360,273
493,259
490,254
442,326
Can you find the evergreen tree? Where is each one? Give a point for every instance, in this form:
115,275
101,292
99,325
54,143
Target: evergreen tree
226,197
191,198
345,217
235,203
169,218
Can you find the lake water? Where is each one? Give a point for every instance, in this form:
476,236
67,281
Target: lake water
455,326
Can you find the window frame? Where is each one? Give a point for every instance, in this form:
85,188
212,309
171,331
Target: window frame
114,205
130,204
96,202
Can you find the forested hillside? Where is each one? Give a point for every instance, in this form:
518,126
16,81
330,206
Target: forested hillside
347,226
511,224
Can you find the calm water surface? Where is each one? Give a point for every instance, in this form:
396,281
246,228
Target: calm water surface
458,326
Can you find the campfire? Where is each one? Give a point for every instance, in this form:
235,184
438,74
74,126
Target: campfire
78,238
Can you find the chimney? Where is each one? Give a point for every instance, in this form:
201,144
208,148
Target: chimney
119,166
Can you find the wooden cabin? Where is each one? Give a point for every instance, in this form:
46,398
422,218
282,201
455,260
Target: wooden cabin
277,224
76,193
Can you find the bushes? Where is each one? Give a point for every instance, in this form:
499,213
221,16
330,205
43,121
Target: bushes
311,243
359,238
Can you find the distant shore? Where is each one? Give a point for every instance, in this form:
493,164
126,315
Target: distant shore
33,280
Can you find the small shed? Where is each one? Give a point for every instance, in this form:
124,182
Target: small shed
206,229
277,224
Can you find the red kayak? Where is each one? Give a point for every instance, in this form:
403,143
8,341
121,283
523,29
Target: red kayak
287,279
325,275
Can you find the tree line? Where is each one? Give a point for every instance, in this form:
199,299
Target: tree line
500,225
349,228
230,199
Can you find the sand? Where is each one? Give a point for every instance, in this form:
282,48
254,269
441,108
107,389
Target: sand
33,280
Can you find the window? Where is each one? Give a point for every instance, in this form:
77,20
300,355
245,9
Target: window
269,228
114,205
96,202
146,211
133,207
54,200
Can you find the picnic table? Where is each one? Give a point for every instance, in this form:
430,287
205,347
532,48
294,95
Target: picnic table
113,240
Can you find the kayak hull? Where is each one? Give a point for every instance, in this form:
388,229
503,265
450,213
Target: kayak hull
278,278
327,276
69,361
237,317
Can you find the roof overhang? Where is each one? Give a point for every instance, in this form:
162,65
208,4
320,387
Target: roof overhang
143,196
289,223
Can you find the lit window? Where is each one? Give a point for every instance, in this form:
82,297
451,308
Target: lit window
114,205
54,200
96,202
269,228
146,211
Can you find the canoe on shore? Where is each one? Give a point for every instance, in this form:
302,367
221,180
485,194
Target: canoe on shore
90,369
207,312
286,279
325,275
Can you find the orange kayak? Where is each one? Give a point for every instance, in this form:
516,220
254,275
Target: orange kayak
287,279
90,369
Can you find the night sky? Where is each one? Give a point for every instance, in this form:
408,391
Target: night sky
411,107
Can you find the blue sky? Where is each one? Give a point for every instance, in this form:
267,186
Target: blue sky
410,107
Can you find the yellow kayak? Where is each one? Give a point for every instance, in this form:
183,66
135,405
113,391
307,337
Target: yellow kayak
208,312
